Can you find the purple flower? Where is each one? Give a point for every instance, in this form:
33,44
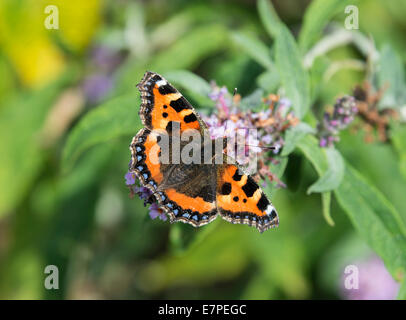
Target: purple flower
342,115
334,123
323,142
129,178
163,216
284,102
105,58
374,282
154,211
143,192
277,148
97,86
266,139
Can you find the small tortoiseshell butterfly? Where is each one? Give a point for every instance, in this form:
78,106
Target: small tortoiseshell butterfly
191,193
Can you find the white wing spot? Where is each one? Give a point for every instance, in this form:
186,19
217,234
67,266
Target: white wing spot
161,83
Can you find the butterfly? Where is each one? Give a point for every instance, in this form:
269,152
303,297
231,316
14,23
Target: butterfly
193,193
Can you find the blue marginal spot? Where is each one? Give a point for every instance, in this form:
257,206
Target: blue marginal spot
195,217
145,176
138,149
140,168
176,211
170,205
254,219
204,217
139,158
186,215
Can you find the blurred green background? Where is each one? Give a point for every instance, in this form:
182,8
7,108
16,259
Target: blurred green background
66,204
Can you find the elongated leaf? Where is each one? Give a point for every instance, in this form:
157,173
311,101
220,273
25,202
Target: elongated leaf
197,88
269,17
326,202
375,219
398,136
252,101
328,163
269,81
322,162
254,48
391,77
294,135
315,19
308,145
189,81
278,170
113,119
333,176
294,78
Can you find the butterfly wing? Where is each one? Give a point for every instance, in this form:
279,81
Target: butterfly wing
162,104
185,192
240,200
192,193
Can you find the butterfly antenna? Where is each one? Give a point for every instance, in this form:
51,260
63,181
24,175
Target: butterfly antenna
235,91
269,148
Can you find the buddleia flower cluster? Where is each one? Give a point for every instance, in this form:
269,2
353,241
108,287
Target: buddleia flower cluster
264,128
336,120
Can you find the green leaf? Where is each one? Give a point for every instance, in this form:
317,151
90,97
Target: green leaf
21,121
294,78
115,118
269,81
198,88
254,48
391,77
333,176
269,17
294,135
326,202
328,163
186,53
308,145
402,291
398,137
376,220
317,15
189,81
252,101
278,170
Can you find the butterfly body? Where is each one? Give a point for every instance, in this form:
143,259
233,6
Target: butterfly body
197,192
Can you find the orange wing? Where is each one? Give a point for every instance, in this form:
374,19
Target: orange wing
241,200
162,105
145,159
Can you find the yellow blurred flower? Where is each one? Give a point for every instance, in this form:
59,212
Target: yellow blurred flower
78,20
29,45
